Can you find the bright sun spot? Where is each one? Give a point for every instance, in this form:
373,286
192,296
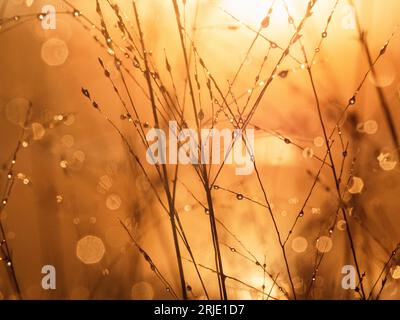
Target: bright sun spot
254,11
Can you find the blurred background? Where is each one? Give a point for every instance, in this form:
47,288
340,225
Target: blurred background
75,185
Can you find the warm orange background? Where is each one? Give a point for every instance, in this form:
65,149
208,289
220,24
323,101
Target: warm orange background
99,183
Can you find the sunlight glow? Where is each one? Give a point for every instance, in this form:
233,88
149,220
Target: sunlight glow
254,11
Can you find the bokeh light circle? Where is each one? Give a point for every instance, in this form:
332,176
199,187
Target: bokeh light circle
113,202
54,52
324,244
90,249
299,244
356,185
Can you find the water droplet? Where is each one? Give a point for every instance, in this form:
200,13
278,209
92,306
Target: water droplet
64,164
58,117
201,115
308,153
265,22
283,74
76,13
